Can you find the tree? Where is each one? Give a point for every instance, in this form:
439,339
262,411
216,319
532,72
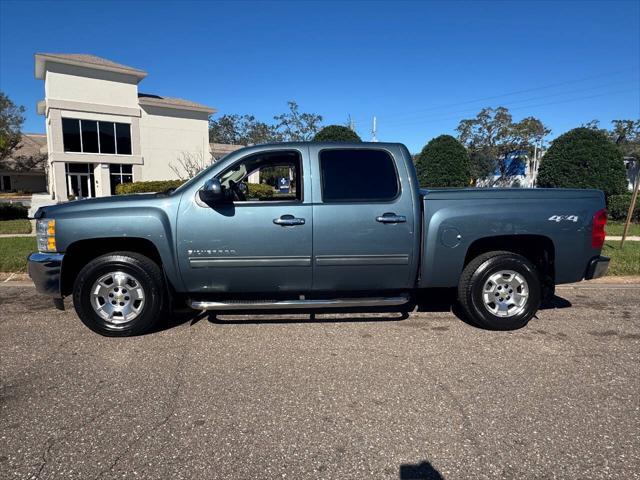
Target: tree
241,130
495,142
626,135
584,158
11,120
291,126
295,126
443,162
336,133
188,165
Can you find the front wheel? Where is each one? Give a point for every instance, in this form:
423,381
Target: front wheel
500,290
119,294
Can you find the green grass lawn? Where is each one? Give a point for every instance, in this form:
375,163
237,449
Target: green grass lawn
616,228
14,251
625,261
15,226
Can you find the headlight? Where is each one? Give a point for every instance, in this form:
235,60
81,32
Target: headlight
46,235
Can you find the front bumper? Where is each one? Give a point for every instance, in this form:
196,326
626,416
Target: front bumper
597,268
44,269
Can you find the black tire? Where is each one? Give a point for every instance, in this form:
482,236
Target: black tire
144,270
476,274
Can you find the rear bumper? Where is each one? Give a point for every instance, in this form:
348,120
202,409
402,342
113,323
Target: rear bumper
597,268
44,269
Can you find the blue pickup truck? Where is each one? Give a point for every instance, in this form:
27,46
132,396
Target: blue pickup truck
353,231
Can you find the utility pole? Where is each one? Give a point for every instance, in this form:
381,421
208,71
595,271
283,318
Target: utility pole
352,124
632,206
374,130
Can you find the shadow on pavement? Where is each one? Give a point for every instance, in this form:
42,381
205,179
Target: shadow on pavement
556,302
178,318
420,471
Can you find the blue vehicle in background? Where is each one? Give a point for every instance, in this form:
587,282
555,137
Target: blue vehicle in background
354,231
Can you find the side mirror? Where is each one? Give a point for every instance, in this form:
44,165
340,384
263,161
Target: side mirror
211,192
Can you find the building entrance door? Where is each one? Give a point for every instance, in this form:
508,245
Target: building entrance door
80,183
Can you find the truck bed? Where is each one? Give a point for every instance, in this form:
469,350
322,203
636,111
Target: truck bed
453,219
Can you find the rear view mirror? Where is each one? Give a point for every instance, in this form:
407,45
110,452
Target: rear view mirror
211,192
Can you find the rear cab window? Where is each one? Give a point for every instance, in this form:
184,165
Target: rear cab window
353,175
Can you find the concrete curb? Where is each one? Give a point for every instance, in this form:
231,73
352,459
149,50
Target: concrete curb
23,280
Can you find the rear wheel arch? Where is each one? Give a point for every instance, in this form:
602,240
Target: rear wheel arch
538,249
500,290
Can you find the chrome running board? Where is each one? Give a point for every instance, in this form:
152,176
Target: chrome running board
299,304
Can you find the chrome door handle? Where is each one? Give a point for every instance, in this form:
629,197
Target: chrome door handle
390,217
288,221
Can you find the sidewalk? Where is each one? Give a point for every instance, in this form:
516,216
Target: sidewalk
631,238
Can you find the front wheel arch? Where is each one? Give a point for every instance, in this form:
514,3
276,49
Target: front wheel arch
81,252
149,279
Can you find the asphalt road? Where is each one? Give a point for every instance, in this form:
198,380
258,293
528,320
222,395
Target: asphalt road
346,397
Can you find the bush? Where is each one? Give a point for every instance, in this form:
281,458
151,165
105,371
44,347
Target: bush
147,187
443,162
259,191
584,158
12,211
336,133
618,207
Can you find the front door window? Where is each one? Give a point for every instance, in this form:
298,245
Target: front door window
265,177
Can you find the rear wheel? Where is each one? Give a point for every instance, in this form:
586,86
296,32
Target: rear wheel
500,290
120,294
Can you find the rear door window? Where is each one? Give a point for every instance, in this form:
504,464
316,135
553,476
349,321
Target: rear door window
352,175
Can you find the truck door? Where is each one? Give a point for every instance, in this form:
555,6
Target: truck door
261,242
364,232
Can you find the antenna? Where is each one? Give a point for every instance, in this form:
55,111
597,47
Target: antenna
374,130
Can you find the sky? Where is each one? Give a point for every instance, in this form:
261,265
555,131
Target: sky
419,67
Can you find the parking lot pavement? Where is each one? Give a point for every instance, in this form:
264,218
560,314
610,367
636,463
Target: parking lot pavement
362,397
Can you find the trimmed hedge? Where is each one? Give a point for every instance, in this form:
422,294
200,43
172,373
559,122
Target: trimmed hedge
443,162
147,187
13,211
259,191
584,158
256,190
336,133
618,207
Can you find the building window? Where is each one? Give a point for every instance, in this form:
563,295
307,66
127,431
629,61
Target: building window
80,181
123,138
71,135
5,183
90,136
119,174
350,175
107,137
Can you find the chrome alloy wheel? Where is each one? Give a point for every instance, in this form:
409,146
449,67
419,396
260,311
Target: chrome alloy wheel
505,293
117,297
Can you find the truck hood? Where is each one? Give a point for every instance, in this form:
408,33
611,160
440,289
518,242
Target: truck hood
102,203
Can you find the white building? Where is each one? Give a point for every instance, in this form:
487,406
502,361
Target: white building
102,131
